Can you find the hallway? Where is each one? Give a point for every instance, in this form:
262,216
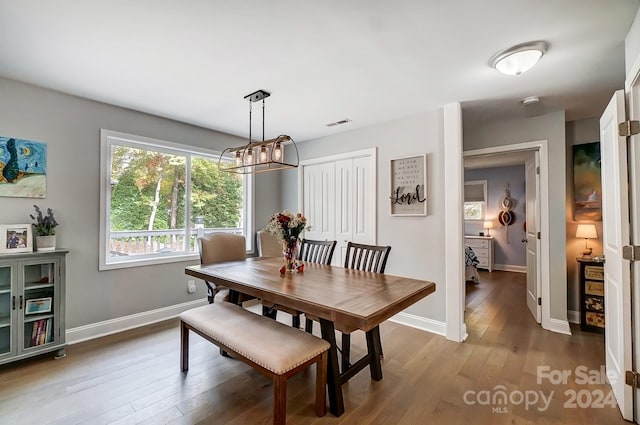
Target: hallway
511,350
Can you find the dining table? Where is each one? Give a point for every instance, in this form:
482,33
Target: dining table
339,298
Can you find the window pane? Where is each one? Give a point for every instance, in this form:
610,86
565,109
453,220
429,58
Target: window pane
216,198
147,212
160,196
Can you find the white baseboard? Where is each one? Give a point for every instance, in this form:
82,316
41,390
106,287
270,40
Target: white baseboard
560,326
510,268
420,322
573,316
108,327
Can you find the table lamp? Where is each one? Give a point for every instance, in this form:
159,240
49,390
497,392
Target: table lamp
586,231
488,225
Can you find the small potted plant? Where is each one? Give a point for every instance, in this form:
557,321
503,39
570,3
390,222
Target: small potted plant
44,227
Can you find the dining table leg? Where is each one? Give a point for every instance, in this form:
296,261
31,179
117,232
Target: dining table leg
334,383
374,348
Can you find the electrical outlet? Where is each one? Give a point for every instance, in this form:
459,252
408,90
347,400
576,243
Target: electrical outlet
191,286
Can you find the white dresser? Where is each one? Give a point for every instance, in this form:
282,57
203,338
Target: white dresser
483,248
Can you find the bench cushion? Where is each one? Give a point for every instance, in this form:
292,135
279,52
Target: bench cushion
273,345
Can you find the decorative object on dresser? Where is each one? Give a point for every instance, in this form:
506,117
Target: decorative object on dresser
592,314
483,248
32,304
487,225
586,231
45,228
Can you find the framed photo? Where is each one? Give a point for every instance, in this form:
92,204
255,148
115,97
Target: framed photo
25,168
587,184
37,305
15,238
409,186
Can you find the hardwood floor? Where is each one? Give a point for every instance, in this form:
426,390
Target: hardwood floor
134,377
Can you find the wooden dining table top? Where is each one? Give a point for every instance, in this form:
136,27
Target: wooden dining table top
350,298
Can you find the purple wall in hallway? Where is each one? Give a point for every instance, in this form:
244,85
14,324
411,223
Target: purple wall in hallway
508,248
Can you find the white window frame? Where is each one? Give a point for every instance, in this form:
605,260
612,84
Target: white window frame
482,183
109,138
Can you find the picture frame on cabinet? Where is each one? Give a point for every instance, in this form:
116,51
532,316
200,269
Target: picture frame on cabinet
15,238
38,305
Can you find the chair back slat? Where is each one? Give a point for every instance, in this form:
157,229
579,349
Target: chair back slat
371,258
313,251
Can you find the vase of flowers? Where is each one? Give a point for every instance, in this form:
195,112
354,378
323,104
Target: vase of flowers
287,227
44,227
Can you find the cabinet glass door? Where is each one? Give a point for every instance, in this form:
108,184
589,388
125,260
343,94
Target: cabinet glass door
39,309
7,302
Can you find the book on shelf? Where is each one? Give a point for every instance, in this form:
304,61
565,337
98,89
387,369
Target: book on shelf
34,332
47,334
42,332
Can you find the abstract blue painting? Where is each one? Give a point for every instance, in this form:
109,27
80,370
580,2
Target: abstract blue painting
23,168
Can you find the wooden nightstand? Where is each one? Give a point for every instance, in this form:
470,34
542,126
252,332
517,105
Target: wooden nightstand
592,314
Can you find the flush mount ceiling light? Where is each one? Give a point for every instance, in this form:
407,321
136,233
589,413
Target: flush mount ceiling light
520,58
259,156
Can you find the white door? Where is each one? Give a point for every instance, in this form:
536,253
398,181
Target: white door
355,190
633,98
348,207
615,229
344,209
318,195
532,183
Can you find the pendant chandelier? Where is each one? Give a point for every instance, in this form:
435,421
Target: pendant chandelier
260,156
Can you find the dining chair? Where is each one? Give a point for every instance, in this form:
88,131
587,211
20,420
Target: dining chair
319,252
217,248
369,258
314,251
268,244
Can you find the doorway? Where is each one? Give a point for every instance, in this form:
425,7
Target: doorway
513,193
456,304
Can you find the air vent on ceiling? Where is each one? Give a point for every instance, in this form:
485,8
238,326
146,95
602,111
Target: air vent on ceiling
344,121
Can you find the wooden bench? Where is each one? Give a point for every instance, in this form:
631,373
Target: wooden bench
275,349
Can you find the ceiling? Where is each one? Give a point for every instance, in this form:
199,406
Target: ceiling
363,60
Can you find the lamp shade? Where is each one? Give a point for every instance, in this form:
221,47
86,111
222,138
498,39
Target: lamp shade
487,224
587,231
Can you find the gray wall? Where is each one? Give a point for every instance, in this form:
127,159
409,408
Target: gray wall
70,126
578,132
508,248
417,242
549,127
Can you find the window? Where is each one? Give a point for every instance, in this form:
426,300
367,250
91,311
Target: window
158,197
475,196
